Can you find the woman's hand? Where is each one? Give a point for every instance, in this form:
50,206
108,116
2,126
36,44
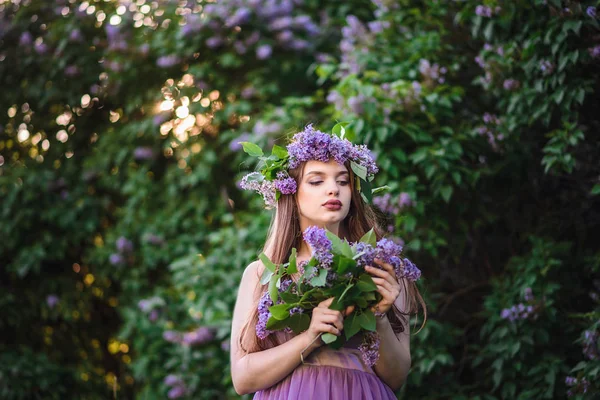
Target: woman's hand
387,285
326,320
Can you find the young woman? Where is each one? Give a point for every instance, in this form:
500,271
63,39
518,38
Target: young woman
319,189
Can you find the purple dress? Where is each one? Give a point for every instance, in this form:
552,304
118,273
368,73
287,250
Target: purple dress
330,374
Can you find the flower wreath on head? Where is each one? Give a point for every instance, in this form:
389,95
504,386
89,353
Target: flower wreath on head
273,180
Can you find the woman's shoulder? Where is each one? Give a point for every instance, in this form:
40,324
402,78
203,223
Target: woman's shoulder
254,270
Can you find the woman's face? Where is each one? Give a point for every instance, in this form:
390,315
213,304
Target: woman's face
324,194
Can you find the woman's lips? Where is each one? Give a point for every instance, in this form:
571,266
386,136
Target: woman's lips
333,205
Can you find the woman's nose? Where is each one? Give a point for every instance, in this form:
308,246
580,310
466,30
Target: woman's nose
333,188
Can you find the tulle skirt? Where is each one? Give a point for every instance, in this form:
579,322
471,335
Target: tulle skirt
327,382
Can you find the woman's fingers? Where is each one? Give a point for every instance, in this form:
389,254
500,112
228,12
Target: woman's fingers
326,303
390,277
383,282
348,310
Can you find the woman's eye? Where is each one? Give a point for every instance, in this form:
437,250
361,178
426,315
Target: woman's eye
343,183
315,183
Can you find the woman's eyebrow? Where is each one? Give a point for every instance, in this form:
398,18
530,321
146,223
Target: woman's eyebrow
323,173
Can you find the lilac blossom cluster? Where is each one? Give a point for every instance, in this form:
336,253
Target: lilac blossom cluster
486,11
594,51
198,336
355,43
488,66
591,11
389,252
388,205
311,144
489,130
52,300
369,348
151,307
291,32
521,311
590,345
511,84
255,181
177,386
576,386
320,245
285,183
124,248
546,67
432,73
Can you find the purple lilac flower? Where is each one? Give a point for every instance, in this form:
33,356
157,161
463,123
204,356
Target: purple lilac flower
225,345
116,259
41,48
167,61
411,272
356,104
160,118
153,316
176,392
547,67
235,145
483,11
528,294
309,144
52,300
71,70
172,380
369,348
386,205
153,239
590,345
124,245
285,184
263,316
591,11
570,381
517,312
172,336
367,256
336,98
198,336
320,245
26,39
143,153
76,36
263,52
511,84
388,252
248,92
339,149
214,42
595,51
405,200
296,310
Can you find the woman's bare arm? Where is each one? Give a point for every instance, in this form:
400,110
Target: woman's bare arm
394,351
260,370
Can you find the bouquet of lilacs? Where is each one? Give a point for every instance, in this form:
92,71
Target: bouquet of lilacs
336,269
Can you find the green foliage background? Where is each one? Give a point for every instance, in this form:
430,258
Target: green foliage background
502,202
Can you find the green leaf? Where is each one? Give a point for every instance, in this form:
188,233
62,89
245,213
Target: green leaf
279,152
336,242
252,149
339,300
367,320
595,190
359,170
299,322
369,238
290,298
292,268
346,250
267,262
446,192
365,283
351,326
343,264
340,129
380,189
366,190
266,276
280,311
273,292
320,279
276,324
328,338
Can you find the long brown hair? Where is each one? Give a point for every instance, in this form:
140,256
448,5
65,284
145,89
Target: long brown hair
284,234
